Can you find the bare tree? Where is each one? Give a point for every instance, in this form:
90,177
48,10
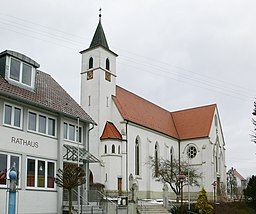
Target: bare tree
69,177
167,171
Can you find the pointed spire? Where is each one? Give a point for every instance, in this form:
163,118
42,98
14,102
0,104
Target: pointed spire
99,38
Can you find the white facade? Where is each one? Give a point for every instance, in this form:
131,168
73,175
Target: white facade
97,98
34,131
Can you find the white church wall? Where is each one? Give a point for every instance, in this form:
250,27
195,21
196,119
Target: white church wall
148,140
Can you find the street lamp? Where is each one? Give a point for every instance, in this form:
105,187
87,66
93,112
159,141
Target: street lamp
181,179
214,190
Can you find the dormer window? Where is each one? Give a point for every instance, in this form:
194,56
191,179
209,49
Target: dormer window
18,69
21,72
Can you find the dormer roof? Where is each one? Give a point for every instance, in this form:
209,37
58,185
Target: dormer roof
21,57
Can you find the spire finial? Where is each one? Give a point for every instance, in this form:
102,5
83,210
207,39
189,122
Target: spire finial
100,13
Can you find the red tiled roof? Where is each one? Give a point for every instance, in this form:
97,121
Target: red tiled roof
194,122
185,124
48,94
110,132
140,111
237,174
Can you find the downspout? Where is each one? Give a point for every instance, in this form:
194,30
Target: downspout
87,164
179,155
126,158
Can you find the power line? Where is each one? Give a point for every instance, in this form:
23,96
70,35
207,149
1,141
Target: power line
146,62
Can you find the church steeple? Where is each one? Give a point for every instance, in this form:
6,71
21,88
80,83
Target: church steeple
99,38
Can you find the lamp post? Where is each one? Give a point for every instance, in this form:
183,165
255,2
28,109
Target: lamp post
214,190
181,179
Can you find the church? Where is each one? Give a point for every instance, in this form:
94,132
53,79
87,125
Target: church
131,129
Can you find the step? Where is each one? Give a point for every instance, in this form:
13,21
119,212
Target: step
151,209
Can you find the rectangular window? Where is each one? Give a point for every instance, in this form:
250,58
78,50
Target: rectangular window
72,132
8,115
27,74
7,163
41,123
12,115
32,121
65,131
40,173
3,168
21,72
17,116
51,126
15,70
31,173
50,175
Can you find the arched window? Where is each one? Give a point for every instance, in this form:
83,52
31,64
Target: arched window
156,160
90,62
113,149
119,149
171,160
107,64
105,149
137,157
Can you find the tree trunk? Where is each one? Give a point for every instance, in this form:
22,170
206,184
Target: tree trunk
70,201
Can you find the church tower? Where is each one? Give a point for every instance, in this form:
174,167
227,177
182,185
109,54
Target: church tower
98,84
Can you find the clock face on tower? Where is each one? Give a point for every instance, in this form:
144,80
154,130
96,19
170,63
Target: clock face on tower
107,76
89,75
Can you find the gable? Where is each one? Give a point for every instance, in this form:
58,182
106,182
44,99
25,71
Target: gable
110,132
195,122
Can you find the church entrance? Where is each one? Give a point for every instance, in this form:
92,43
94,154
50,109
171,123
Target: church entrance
119,186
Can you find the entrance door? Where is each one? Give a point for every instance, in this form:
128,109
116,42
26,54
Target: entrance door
119,185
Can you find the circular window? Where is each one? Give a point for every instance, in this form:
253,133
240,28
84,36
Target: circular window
191,151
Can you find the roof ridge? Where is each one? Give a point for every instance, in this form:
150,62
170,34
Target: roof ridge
192,108
175,125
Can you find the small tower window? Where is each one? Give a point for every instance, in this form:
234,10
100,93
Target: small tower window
119,149
113,149
89,100
107,64
90,63
107,102
105,149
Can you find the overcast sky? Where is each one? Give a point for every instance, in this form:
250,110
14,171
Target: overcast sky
176,53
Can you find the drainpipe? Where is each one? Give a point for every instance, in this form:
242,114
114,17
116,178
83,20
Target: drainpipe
87,164
179,156
126,158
